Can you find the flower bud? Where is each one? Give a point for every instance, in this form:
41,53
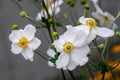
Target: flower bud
83,1
117,33
87,6
68,2
101,46
55,34
14,27
51,21
72,4
41,0
22,13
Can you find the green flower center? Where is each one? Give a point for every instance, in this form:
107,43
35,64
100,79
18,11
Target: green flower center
23,42
68,47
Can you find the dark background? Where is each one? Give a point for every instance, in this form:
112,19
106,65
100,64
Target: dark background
15,67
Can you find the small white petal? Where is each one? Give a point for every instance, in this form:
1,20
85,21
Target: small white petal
51,64
91,36
39,16
80,55
58,45
34,43
62,60
95,1
72,65
29,31
51,52
15,36
29,53
24,55
15,48
104,32
80,39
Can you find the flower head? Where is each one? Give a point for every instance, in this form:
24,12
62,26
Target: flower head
104,18
52,7
73,49
24,42
89,25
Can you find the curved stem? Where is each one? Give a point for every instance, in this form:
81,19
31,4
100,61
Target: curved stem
71,74
103,75
63,74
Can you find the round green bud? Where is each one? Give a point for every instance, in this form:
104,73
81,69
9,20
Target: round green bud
68,2
22,13
55,34
51,21
51,46
72,4
117,33
89,54
41,0
87,6
83,2
14,27
101,46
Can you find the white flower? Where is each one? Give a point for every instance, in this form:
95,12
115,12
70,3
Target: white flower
89,25
51,53
104,18
72,47
24,42
53,8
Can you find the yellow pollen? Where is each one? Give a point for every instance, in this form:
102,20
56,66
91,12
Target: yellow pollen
91,23
68,47
23,42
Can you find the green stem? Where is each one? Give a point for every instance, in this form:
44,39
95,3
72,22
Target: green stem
90,71
63,75
103,75
71,74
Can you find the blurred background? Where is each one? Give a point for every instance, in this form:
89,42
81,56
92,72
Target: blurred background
15,67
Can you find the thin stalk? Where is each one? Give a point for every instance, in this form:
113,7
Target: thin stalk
63,75
41,55
71,74
90,71
103,75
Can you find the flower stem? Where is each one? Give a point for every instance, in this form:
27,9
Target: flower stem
90,71
103,75
71,74
63,75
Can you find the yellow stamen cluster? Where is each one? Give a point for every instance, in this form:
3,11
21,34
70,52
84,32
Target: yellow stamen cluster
48,5
23,42
91,23
68,47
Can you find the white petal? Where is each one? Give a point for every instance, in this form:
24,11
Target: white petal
80,39
80,55
29,53
95,1
39,16
29,31
15,48
51,52
34,43
104,32
62,60
15,36
72,65
58,45
24,55
51,64
91,37
84,28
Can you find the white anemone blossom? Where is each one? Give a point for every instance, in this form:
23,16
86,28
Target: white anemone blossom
53,8
89,25
51,53
104,18
72,48
24,42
